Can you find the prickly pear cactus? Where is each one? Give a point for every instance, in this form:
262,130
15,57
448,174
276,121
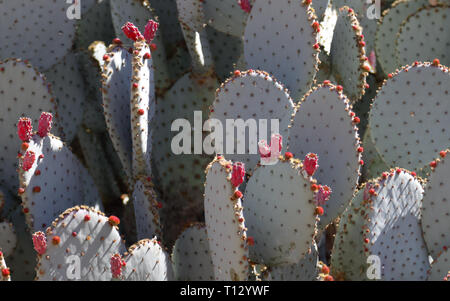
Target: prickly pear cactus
27,34
393,219
146,209
191,255
78,246
52,179
373,162
409,115
387,30
19,80
418,42
280,212
348,55
224,220
325,125
250,96
270,30
147,261
8,238
305,270
6,273
435,207
226,16
440,268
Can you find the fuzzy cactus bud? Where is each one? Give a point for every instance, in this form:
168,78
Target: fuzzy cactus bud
116,265
310,163
28,160
132,32
6,272
24,129
328,278
319,211
45,124
150,31
40,242
245,5
325,270
323,195
250,241
56,240
264,149
238,174
288,155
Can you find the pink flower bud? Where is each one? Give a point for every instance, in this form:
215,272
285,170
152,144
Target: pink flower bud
40,242
45,124
264,149
116,265
150,31
245,5
323,195
276,144
238,173
132,32
28,160
310,163
24,129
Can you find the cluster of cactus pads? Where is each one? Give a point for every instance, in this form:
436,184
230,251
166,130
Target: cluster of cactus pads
347,176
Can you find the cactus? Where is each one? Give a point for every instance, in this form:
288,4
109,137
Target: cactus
435,208
324,124
8,238
250,95
82,235
225,226
400,148
280,202
45,156
6,273
440,267
146,209
410,48
227,16
266,42
191,255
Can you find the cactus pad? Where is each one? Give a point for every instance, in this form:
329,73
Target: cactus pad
323,124
4,270
147,261
81,238
146,210
440,268
409,115
225,223
270,30
226,16
8,238
251,96
191,256
436,207
280,213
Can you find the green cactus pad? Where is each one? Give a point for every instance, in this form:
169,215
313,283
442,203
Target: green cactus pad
305,270
392,228
418,42
56,181
226,16
142,106
8,238
2,268
280,213
79,235
19,80
409,116
270,30
323,125
348,54
225,223
116,103
436,208
146,210
191,256
348,261
387,31
251,96
167,13
440,268
26,32
147,261
69,91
